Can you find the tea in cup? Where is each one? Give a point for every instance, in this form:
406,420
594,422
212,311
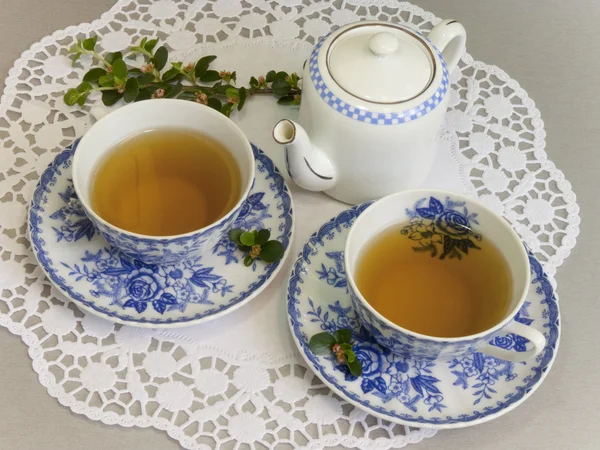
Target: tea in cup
435,274
163,181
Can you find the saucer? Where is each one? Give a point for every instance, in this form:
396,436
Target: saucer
435,394
101,280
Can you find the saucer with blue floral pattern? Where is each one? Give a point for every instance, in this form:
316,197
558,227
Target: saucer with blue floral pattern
437,394
99,279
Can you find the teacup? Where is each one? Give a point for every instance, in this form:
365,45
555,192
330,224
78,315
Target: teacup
395,209
134,119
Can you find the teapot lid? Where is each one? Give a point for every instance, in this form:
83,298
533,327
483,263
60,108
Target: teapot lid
381,63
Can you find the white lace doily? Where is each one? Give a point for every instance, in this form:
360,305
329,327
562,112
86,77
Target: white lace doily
239,382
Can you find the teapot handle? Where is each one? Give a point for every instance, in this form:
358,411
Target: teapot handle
449,37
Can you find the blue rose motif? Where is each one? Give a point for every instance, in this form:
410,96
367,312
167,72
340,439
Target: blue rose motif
370,357
142,287
505,342
453,223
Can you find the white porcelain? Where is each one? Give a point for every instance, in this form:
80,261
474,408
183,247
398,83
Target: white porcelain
136,118
374,99
458,223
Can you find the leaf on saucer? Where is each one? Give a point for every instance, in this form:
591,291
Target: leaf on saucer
321,343
234,236
247,238
262,237
271,251
355,367
343,336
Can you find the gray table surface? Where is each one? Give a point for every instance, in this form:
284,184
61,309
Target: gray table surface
552,49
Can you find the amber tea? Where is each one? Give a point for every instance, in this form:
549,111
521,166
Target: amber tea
166,182
406,275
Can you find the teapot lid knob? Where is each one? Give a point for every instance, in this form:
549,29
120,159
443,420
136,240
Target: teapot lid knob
383,43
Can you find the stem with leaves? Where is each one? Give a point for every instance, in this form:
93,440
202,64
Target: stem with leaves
195,81
256,245
340,344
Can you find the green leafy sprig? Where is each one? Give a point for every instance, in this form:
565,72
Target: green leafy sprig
195,81
340,344
256,245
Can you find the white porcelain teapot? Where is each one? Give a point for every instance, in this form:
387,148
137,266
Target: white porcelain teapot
374,99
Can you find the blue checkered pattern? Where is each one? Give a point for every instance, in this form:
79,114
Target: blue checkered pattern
373,117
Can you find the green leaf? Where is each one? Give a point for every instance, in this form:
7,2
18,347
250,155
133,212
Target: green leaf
234,235
280,87
209,76
187,95
74,49
271,251
321,343
220,89
75,58
343,336
82,98
346,346
171,74
119,70
288,100
112,57
146,78
350,356
132,89
160,58
149,46
247,238
233,76
244,248
281,75
142,42
109,98
248,260
231,92
174,91
214,103
270,76
253,82
94,75
355,367
262,237
144,94
84,87
107,80
227,108
90,43
71,97
202,65
243,95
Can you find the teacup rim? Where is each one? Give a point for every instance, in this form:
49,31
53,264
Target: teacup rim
178,102
440,192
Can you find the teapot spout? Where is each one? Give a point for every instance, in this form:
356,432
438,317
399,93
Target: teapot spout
308,167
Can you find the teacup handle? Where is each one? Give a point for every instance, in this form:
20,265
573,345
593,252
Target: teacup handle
534,336
449,37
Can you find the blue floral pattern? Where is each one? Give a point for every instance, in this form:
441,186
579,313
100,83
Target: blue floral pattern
108,282
335,276
437,392
384,375
76,224
442,229
134,284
